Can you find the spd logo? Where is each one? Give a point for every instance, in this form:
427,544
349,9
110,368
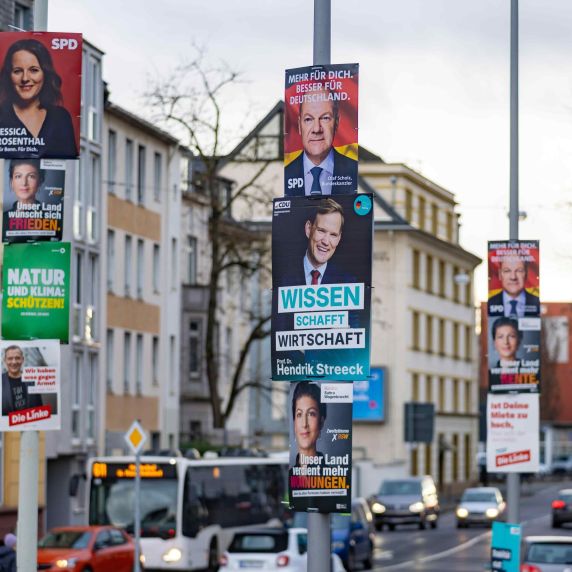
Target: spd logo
297,183
64,44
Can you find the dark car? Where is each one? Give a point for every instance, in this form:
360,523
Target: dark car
562,508
411,500
352,538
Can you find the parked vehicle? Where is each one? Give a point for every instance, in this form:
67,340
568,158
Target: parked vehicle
561,466
352,535
86,548
411,500
270,549
546,554
562,508
480,505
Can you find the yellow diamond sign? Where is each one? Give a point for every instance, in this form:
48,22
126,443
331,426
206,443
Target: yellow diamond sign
135,437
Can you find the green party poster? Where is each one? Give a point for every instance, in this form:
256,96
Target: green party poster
35,304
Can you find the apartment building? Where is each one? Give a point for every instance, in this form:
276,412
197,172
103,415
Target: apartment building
142,206
423,318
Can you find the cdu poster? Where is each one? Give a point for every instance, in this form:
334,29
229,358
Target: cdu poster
36,291
321,296
321,130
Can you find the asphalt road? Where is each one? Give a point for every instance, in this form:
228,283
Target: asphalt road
462,550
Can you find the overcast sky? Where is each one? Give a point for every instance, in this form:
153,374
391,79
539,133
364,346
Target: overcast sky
434,90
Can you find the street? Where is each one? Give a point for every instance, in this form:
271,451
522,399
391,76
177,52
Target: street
462,550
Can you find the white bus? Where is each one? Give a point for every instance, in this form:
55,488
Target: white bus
189,508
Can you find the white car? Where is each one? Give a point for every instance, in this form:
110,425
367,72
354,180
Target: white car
480,505
271,549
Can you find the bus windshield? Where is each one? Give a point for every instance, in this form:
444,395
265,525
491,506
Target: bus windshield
113,501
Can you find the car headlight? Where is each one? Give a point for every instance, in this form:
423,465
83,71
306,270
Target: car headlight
462,512
172,555
416,507
492,512
66,563
378,508
338,545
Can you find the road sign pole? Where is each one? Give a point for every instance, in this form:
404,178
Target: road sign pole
319,543
137,531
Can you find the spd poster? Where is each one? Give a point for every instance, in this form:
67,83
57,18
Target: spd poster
33,200
36,283
30,396
321,130
321,296
320,468
40,94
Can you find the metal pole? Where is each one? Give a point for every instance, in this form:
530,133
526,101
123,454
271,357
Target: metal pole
319,543
27,526
137,531
513,479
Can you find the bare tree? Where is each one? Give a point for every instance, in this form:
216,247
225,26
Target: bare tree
191,102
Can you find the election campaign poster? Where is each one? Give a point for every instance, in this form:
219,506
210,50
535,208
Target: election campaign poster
321,296
33,200
505,547
35,303
40,95
512,433
369,396
319,475
321,130
514,354
30,397
514,278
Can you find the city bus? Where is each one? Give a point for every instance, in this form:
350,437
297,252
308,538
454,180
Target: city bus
190,508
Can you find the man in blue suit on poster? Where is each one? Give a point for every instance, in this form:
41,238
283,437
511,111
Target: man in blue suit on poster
320,169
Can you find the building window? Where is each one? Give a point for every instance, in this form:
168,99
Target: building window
456,395
468,343
110,260
469,291
429,334
415,326
140,267
192,260
90,327
450,227
139,364
172,364
408,205
456,341
126,363
91,399
78,296
428,389
468,456
195,354
111,160
455,457
22,17
421,213
76,398
91,223
441,394
428,458
156,268
455,285
78,205
468,400
93,105
129,169
127,265
415,387
174,263
141,174
414,462
429,285
434,219
110,358
155,358
416,258
442,278
441,336
157,176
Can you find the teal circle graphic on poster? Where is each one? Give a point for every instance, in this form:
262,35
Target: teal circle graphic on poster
362,205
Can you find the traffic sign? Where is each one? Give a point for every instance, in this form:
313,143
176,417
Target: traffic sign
135,437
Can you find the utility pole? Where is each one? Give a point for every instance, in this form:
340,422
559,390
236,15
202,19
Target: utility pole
319,543
513,479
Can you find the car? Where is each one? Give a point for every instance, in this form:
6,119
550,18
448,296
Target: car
411,500
562,508
352,535
546,554
86,548
480,505
561,466
281,550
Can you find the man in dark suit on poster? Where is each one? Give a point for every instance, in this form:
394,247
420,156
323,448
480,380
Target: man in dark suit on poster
319,169
513,301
